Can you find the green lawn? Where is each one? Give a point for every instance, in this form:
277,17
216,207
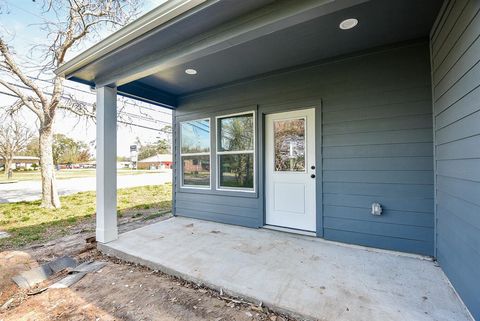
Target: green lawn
28,223
68,173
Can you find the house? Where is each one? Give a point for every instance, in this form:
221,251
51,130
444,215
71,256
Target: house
353,121
25,162
160,161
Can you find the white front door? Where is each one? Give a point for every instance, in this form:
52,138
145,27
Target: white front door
290,169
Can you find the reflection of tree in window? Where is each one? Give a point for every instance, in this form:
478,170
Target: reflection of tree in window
289,144
237,133
236,151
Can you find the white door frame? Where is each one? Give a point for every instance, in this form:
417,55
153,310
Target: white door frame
299,186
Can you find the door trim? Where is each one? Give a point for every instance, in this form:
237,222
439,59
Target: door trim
271,108
280,217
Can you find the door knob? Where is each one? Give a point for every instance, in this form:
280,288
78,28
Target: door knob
312,176
312,167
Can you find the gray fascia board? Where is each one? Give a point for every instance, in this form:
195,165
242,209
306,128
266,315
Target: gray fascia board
257,24
151,20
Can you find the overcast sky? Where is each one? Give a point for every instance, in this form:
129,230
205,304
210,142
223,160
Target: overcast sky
20,27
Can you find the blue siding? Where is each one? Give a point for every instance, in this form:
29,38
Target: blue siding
455,52
375,144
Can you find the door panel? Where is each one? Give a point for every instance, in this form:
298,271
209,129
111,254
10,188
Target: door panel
290,169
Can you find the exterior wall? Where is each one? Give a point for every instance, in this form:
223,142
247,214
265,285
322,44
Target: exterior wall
374,120
455,50
158,165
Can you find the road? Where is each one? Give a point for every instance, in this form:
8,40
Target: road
31,190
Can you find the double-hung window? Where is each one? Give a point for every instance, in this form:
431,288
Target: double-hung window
195,153
236,152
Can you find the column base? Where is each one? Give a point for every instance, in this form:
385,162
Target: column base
106,235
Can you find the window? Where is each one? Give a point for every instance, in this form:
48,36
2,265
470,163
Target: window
235,152
289,144
195,153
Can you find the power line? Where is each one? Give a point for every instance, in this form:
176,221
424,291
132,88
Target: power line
137,125
119,121
8,94
86,103
28,11
91,93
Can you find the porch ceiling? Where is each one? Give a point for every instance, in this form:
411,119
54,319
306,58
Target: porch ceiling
380,23
227,41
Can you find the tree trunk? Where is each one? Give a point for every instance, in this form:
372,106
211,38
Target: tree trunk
50,197
8,165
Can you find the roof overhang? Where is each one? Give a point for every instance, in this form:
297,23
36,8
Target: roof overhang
160,16
232,40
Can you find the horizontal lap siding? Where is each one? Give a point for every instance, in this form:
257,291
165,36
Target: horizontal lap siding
455,51
379,149
377,145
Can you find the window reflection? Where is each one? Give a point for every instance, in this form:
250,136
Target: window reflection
236,170
236,133
195,136
196,170
195,153
289,141
236,143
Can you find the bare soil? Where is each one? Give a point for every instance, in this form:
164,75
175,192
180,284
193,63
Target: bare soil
119,291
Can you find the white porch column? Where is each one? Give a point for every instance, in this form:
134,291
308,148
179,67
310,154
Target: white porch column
106,171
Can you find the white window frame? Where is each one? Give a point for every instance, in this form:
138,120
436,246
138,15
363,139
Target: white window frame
209,153
219,153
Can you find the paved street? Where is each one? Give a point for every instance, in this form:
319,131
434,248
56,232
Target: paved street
31,190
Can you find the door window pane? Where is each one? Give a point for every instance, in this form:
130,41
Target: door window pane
195,136
289,141
236,170
196,170
236,133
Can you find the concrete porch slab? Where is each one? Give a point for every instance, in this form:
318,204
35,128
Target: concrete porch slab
299,275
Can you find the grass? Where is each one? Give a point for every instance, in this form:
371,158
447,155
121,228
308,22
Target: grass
28,223
68,173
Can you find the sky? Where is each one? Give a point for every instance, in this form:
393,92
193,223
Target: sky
20,27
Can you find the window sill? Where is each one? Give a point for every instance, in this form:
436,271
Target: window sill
218,192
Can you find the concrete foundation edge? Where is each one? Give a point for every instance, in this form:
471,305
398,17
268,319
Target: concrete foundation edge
105,249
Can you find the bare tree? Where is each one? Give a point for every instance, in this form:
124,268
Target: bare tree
14,137
74,22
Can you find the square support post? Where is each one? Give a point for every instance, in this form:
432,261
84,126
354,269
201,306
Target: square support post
106,168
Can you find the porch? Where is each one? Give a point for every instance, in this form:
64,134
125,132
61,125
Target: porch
303,276
394,86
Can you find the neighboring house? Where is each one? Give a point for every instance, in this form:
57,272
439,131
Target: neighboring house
160,161
311,116
22,162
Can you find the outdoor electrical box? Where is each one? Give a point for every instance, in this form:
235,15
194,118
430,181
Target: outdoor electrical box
376,209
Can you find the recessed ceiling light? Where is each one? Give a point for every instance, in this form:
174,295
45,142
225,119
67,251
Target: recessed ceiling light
190,71
348,24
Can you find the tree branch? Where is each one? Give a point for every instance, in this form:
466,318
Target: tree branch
13,68
26,100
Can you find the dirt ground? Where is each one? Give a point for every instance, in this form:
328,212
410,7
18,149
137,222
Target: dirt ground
119,291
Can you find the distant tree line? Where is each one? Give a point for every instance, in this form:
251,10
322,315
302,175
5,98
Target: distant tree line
163,145
14,138
66,150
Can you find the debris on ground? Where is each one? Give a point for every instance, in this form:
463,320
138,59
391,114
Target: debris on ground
28,279
112,289
54,270
77,274
150,295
